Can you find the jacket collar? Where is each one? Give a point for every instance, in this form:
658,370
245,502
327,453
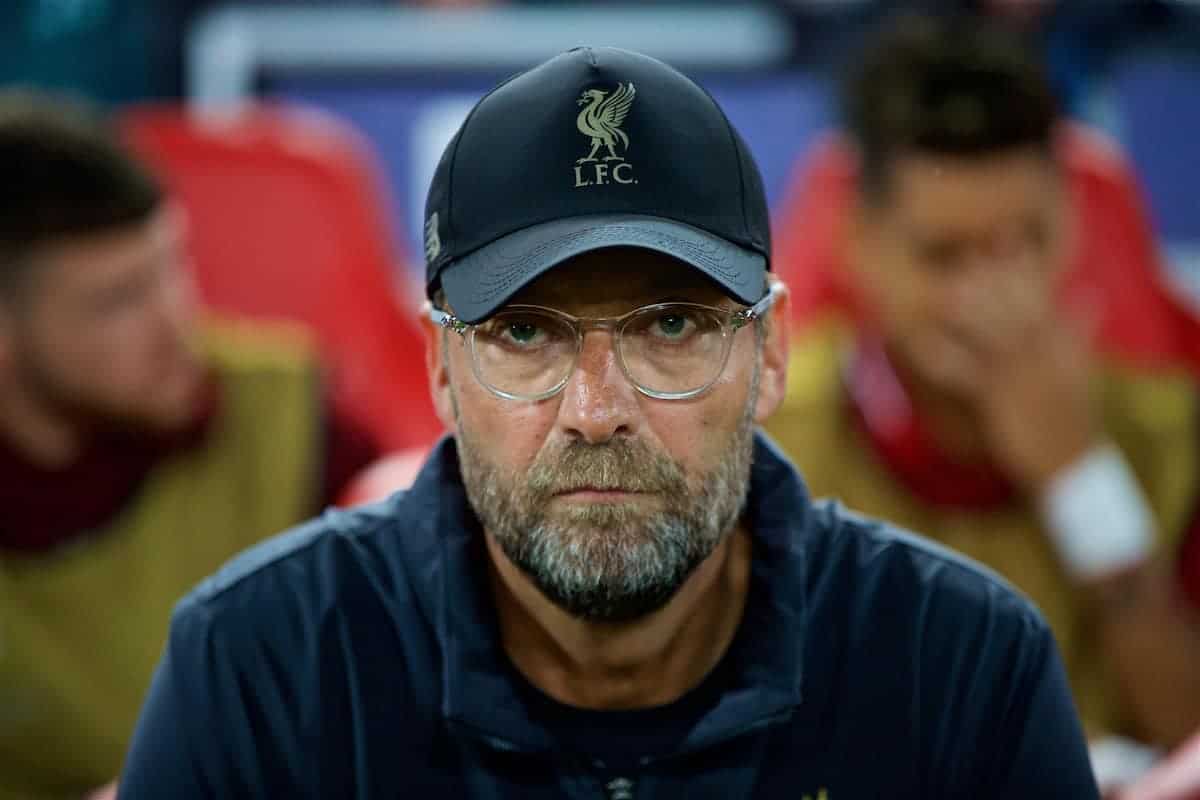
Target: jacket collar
478,691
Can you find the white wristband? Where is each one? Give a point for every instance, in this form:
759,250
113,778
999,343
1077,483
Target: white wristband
1097,517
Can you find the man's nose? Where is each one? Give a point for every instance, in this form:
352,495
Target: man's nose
598,402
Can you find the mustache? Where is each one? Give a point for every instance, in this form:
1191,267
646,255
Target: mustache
626,465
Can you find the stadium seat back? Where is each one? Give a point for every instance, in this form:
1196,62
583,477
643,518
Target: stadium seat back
289,220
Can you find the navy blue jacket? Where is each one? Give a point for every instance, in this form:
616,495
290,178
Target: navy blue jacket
358,657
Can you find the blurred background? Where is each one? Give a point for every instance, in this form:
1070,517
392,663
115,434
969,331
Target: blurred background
403,74
300,136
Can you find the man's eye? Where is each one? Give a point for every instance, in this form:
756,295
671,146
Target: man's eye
672,326
523,332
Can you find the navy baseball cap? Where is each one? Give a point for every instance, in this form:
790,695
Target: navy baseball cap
595,148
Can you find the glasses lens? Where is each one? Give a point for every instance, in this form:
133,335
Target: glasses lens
523,353
673,349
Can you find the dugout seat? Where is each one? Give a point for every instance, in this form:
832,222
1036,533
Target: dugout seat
391,473
288,220
1115,265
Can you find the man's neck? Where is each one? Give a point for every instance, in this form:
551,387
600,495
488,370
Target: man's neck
648,662
952,421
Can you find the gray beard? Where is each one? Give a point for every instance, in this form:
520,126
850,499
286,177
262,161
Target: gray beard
610,562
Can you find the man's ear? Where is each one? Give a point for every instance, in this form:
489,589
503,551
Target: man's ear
436,360
772,379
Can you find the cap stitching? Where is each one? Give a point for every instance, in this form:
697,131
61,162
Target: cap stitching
497,273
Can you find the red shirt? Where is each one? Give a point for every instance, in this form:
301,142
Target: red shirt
881,409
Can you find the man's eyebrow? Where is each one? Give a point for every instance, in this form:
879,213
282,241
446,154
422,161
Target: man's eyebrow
673,282
708,298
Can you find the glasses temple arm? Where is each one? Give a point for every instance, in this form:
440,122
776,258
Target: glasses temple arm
758,309
445,319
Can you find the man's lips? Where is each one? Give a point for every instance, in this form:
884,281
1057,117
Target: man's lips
597,494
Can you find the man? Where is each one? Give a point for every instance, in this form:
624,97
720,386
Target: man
967,404
605,584
139,448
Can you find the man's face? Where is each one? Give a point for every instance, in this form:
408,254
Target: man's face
608,499
101,331
952,235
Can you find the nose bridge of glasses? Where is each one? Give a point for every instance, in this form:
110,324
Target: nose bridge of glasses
587,324
597,347
595,331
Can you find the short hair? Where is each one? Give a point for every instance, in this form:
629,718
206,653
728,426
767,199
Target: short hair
63,173
945,86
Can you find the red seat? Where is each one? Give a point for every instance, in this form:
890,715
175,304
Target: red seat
1116,264
391,473
289,221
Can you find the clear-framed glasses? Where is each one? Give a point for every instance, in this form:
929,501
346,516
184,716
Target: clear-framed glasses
669,351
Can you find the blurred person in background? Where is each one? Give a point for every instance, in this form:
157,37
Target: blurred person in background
140,447
969,406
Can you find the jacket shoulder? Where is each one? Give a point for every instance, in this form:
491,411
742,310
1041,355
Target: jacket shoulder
318,554
881,566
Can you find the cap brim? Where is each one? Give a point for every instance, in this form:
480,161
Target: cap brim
480,282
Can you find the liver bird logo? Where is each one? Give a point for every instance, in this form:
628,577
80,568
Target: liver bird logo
601,119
